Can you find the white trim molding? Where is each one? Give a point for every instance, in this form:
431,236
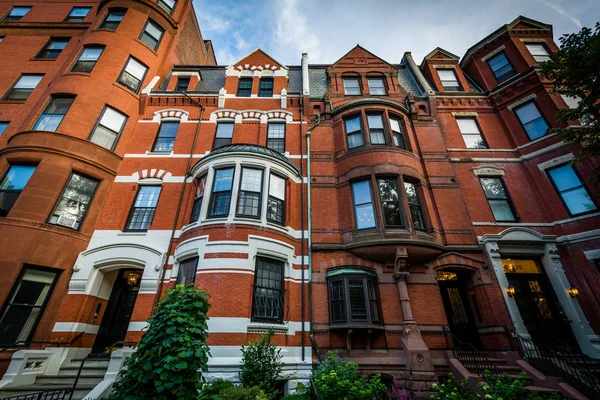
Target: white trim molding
525,99
556,161
488,170
592,254
493,53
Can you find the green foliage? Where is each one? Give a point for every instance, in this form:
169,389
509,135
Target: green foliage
502,387
336,379
210,391
172,354
296,397
575,70
243,393
261,364
453,390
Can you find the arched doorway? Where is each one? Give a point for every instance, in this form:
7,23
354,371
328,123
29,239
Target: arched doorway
115,322
454,287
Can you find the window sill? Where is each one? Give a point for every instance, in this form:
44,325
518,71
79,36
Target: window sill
148,47
77,73
105,30
42,59
263,327
127,90
132,233
12,101
160,153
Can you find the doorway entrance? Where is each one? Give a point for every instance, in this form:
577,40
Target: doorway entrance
453,287
119,309
538,305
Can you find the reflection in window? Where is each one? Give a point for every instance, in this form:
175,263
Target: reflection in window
133,74
53,48
144,206
363,205
538,51
224,134
151,34
351,86
25,305
168,5
267,301
276,200
376,86
501,67
397,133
187,271
244,87
276,136
532,120
16,13
23,87
376,131
166,136
87,59
354,136
221,193
12,185
78,14
416,212
470,133
74,201
571,190
113,19
53,114
354,299
182,83
109,127
390,201
249,198
265,87
198,199
498,199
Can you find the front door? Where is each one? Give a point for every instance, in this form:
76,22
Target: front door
537,303
118,310
458,311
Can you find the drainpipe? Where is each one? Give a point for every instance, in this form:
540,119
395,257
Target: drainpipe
302,310
165,262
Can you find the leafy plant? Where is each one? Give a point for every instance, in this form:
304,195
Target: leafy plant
261,364
296,397
210,391
172,354
336,379
243,393
453,390
506,387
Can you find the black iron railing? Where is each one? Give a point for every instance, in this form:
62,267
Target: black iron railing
54,394
474,360
575,368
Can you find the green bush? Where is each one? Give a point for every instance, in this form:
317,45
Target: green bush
453,390
337,379
261,365
243,393
296,397
171,356
210,391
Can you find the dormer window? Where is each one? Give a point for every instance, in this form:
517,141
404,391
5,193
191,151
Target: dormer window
376,86
265,88
244,87
449,80
351,87
538,51
501,67
182,83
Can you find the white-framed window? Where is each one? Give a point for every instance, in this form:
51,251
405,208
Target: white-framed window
276,200
469,128
250,194
376,86
449,80
108,128
351,86
538,51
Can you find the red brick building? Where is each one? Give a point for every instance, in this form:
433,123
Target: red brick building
364,203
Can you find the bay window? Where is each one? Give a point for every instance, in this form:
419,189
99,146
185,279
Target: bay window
276,200
397,133
390,201
220,197
250,195
376,130
74,201
363,205
187,271
267,300
108,128
414,204
12,184
354,137
198,199
353,297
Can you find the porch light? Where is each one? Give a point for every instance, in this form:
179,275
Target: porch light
573,292
133,278
510,291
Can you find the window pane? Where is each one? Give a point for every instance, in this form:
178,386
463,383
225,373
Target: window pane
73,204
467,125
224,130
103,137
28,81
498,61
501,210
446,75
395,125
364,216
358,306
493,188
112,119
351,86
17,177
277,187
375,121
223,180
136,68
538,51
376,86
361,192
276,131
352,124
154,30
19,11
53,114
79,12
265,88
474,142
411,192
3,126
91,53
564,177
527,113
251,180
338,305
268,291
578,200
187,271
390,201
147,196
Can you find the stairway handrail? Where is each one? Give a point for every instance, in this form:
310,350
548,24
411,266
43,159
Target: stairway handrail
467,353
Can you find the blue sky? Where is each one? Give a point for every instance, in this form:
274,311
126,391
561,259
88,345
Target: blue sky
326,30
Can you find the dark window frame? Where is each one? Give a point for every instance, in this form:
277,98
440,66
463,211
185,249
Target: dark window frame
70,18
272,141
157,137
3,212
156,25
266,92
383,128
180,277
354,205
255,288
105,21
402,133
260,193
45,51
11,90
275,199
48,103
210,213
5,126
198,200
118,136
576,172
241,89
506,76
166,7
361,132
133,208
42,308
215,138
508,198
119,81
82,63
476,119
420,197
8,18
402,224
458,88
62,195
347,320
185,80
514,110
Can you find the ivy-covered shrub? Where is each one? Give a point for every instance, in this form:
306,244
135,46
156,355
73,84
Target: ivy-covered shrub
243,393
337,379
261,364
172,354
210,391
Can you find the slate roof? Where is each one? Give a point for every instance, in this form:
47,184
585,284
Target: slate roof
213,79
252,148
317,77
406,80
294,80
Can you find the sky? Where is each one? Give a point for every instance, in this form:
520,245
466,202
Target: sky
327,30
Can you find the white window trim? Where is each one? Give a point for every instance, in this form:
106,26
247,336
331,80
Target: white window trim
524,100
493,53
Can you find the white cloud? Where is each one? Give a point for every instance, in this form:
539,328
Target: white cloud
561,10
292,34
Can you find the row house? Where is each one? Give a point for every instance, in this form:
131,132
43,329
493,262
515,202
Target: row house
372,209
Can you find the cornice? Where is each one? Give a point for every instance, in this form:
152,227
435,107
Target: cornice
45,25
154,5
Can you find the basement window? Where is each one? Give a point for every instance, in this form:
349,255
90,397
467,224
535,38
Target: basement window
353,298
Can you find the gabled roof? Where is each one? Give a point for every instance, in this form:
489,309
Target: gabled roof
263,53
358,51
520,22
440,54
